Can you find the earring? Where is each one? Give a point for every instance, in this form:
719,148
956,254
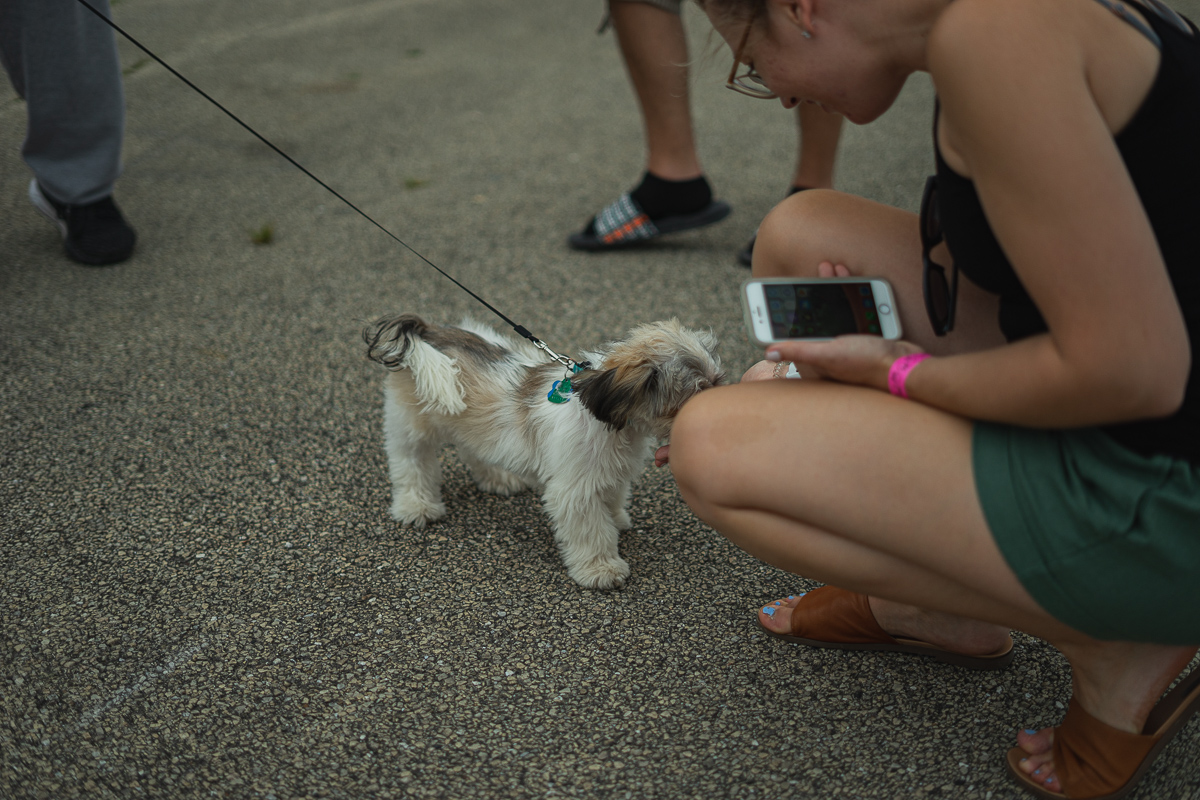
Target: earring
806,34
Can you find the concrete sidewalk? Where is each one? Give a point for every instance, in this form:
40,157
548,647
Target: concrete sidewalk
201,592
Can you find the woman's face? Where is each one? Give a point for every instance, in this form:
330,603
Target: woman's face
833,68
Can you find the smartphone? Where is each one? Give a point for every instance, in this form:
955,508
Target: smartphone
818,309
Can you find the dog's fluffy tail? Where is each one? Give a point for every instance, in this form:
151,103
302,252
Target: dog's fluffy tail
396,343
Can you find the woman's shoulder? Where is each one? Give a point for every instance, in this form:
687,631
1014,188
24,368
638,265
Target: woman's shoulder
978,37
1001,69
1033,56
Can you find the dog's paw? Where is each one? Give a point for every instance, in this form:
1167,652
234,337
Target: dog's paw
622,521
416,514
601,574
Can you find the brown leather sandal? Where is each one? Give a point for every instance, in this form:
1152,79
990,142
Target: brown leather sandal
842,620
1095,761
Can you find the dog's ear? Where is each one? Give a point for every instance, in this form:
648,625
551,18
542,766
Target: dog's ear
616,396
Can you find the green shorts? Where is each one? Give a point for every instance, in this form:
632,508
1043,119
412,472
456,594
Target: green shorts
1105,540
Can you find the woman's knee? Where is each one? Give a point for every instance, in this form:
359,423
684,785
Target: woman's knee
799,233
821,225
694,443
788,239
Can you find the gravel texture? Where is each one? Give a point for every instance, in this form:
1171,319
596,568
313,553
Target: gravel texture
201,592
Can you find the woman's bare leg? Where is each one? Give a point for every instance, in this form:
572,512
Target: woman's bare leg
849,486
819,226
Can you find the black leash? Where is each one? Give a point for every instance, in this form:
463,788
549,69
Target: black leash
520,329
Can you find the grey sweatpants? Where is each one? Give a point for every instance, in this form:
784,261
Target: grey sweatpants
63,60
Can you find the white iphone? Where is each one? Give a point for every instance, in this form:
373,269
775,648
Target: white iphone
817,309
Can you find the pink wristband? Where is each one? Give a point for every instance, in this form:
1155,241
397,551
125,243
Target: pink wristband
898,374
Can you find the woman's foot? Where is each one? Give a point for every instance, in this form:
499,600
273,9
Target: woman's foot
1118,683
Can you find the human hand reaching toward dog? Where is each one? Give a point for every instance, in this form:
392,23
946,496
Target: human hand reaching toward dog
662,455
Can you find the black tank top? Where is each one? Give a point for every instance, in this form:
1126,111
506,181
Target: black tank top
1161,150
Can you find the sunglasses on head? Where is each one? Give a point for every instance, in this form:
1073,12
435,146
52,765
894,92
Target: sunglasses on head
941,295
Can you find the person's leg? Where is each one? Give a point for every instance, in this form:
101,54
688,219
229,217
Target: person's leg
819,226
874,494
1119,683
917,537
819,132
655,51
673,194
63,61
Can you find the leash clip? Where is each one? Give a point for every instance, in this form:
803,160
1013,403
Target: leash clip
571,365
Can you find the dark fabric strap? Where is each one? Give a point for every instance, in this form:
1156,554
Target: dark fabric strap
1124,13
1157,7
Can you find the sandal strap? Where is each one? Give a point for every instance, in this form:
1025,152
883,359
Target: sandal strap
1094,759
624,221
837,615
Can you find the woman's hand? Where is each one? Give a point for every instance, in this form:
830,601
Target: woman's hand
662,456
762,371
827,269
856,358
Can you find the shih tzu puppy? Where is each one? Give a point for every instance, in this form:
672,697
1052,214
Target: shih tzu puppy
519,422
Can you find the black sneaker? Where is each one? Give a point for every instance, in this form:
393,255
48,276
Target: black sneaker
95,234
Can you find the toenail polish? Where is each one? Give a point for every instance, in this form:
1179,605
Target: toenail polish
1037,771
1030,731
778,602
770,612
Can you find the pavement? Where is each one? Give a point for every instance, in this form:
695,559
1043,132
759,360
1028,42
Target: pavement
201,591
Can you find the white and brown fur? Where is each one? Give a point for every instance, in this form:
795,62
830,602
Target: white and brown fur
473,388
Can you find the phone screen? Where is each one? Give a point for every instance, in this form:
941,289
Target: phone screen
821,310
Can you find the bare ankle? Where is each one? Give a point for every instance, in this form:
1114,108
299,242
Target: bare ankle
1119,683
